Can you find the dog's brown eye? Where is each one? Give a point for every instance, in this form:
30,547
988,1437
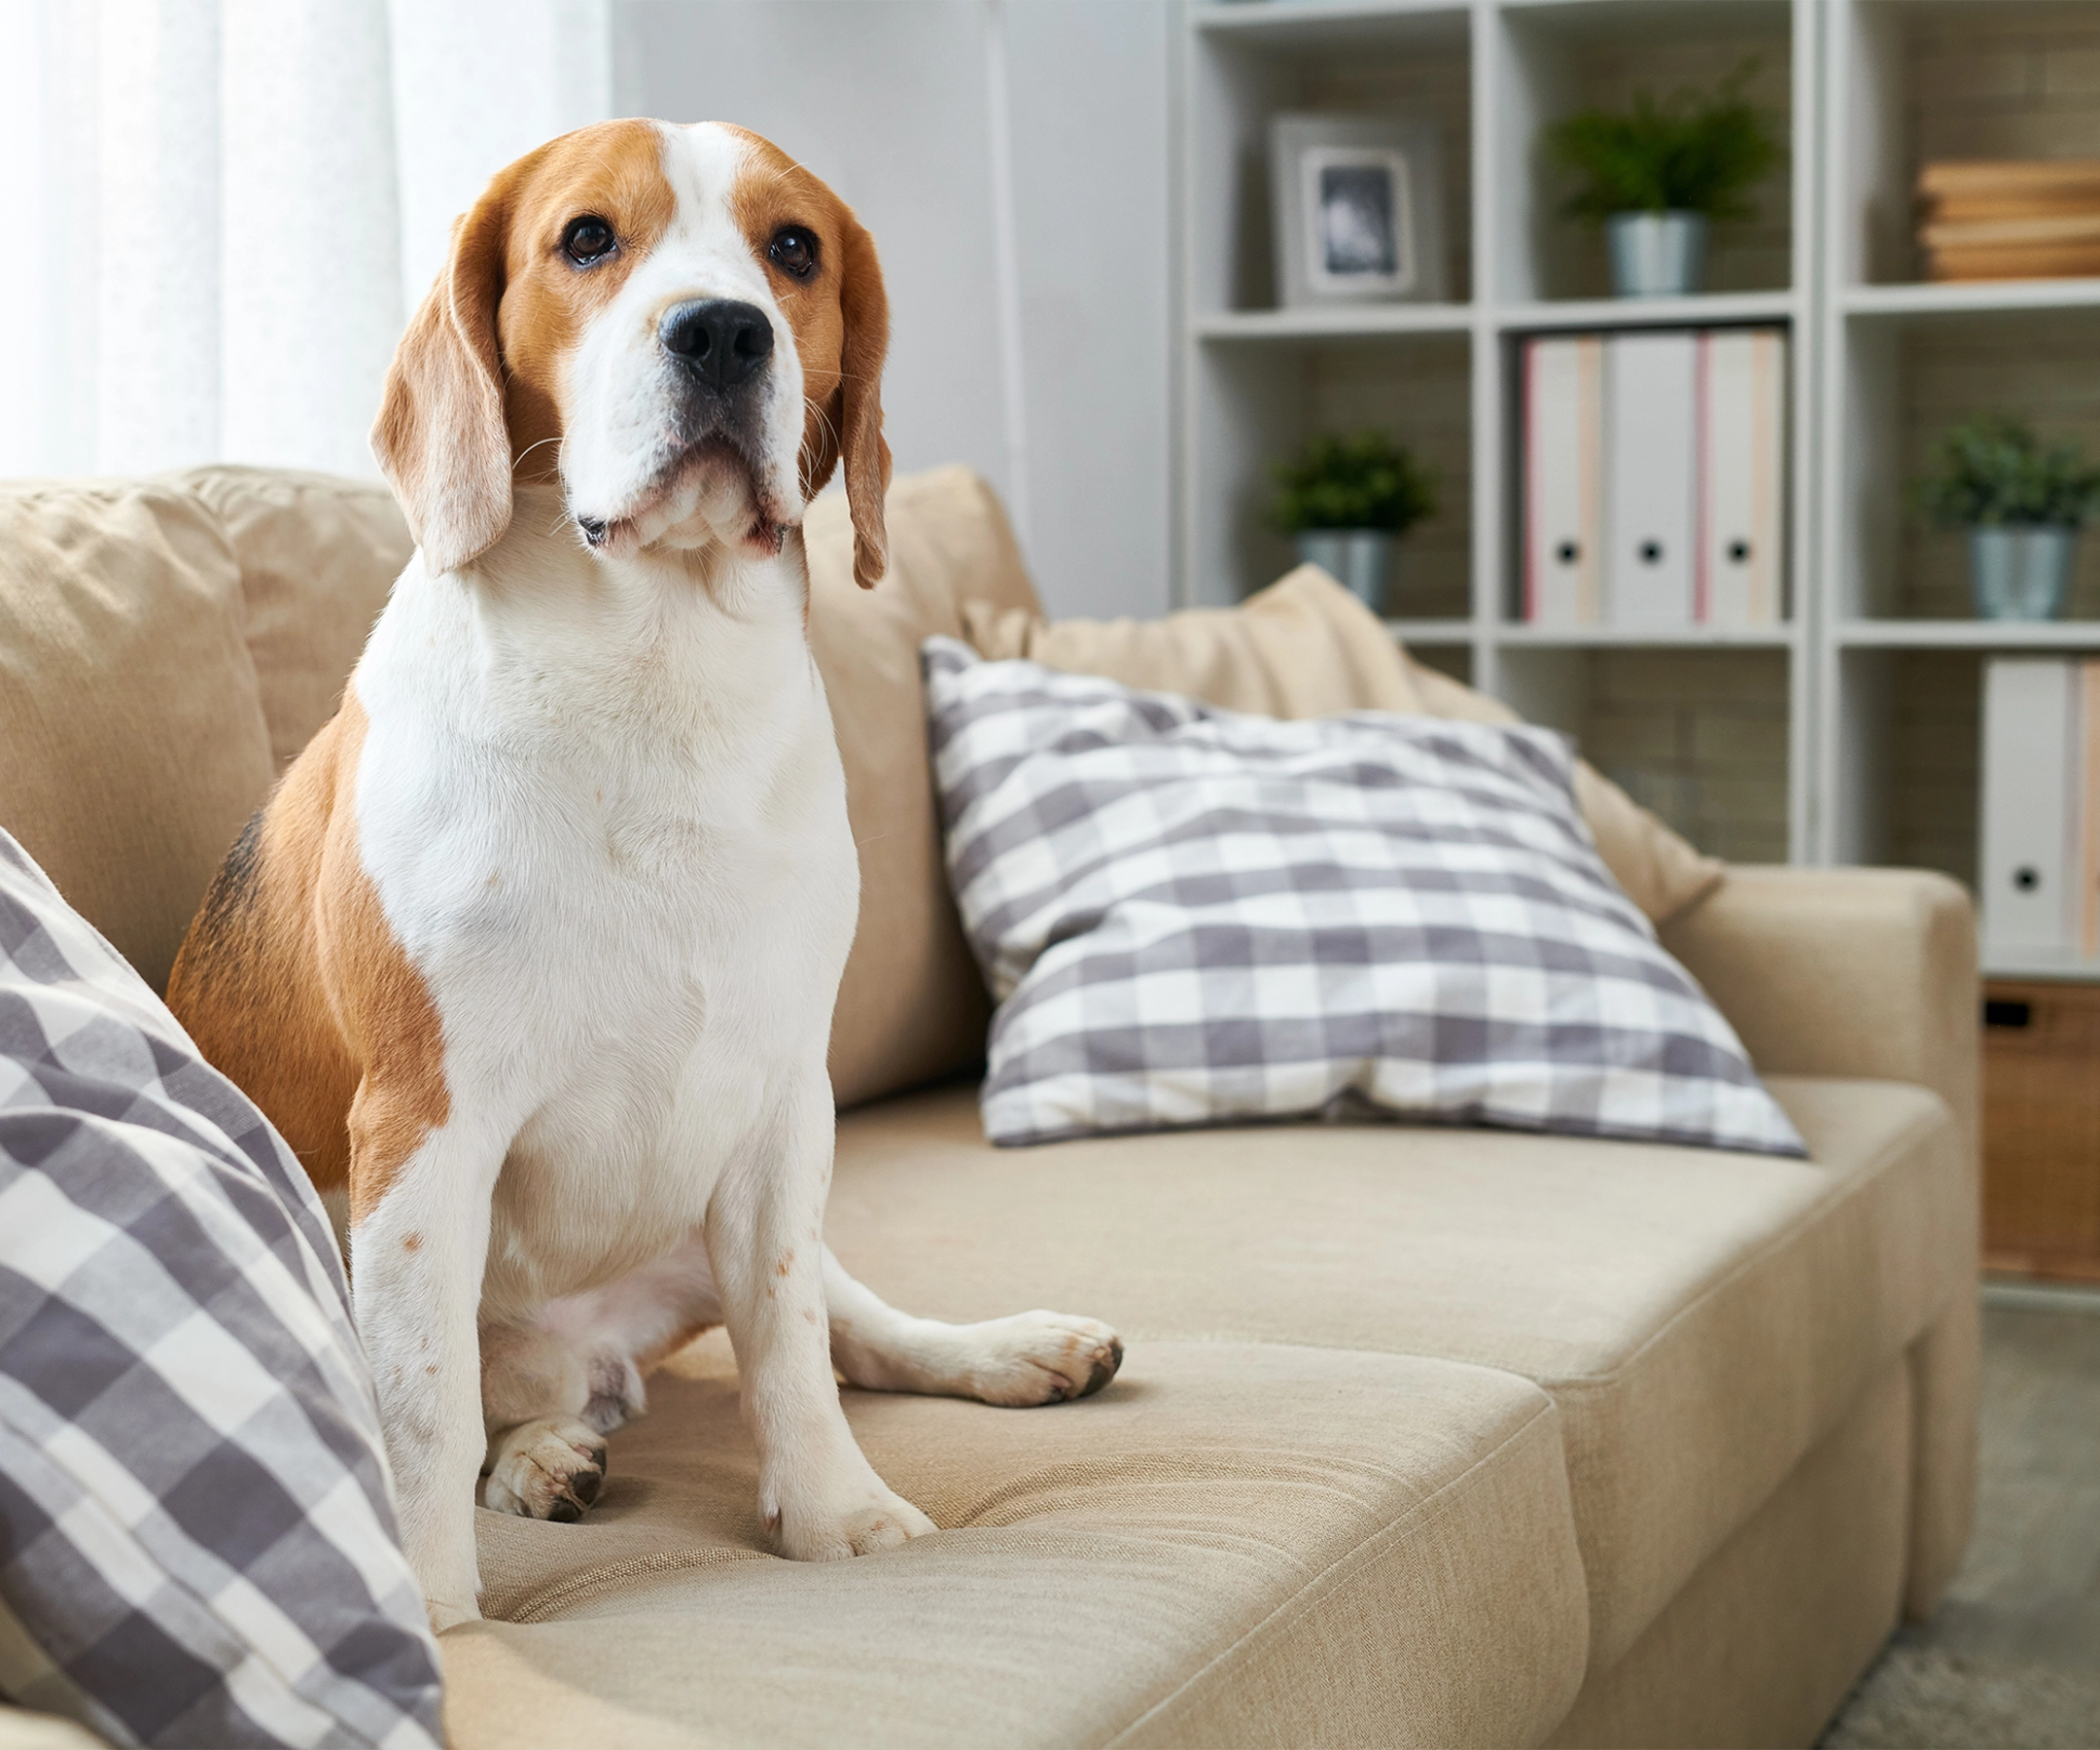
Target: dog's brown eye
795,252
587,239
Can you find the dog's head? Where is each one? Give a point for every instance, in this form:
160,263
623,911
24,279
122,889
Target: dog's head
680,325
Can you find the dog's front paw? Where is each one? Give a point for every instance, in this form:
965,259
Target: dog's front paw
852,1521
1043,1358
549,1469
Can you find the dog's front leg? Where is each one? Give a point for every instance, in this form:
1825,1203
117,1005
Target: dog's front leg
764,1235
418,1245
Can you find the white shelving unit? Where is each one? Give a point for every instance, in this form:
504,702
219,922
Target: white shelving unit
1836,736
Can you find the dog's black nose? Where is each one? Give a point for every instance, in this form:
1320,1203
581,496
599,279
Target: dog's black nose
720,340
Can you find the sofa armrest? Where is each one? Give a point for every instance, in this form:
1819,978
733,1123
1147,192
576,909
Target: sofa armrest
1860,972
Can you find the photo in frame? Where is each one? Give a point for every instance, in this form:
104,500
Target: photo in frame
1357,209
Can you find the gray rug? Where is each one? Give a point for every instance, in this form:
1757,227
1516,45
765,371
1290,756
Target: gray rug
2011,1658
1923,1697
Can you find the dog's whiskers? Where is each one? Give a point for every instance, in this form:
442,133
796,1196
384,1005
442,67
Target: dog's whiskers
527,450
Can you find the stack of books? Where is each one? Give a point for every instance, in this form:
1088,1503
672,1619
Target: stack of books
2018,219
1655,478
2041,825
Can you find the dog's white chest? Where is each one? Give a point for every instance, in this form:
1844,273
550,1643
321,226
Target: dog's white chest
622,864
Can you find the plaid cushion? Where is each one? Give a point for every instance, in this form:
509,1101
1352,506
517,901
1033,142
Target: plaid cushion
1190,915
195,1505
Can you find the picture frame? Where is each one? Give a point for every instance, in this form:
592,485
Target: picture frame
1357,209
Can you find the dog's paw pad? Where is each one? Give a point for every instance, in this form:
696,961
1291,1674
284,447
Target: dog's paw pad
550,1469
1103,1366
1045,1359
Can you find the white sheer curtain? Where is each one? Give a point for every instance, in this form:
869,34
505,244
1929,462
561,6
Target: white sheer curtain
222,210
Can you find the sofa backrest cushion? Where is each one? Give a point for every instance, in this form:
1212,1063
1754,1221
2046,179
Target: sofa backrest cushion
1295,650
135,742
1305,648
318,555
167,647
911,1006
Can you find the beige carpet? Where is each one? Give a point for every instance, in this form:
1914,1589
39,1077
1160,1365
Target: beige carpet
2011,1659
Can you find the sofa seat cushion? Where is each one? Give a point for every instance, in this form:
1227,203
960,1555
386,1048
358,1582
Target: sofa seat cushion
1700,1318
1240,1544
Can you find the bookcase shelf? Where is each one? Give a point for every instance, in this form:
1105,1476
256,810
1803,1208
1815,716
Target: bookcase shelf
1712,310
1414,632
1846,733
1511,636
1967,635
1360,322
1982,296
1327,24
2043,965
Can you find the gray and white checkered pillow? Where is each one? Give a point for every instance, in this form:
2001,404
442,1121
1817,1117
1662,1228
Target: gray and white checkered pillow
196,1523
1191,916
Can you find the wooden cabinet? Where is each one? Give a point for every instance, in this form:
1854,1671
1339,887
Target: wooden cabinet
2042,1128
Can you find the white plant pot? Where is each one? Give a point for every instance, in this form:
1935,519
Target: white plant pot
1360,559
1656,255
2021,572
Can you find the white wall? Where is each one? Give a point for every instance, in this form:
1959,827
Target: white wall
1024,234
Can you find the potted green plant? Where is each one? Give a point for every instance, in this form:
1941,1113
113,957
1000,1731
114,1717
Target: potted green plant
2022,503
1658,175
1345,501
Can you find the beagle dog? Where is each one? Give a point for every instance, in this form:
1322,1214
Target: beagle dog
532,955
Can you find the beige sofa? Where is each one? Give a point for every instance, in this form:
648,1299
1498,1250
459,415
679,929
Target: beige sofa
1426,1436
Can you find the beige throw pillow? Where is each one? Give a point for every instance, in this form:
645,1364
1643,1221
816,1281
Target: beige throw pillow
135,746
1305,648
317,556
911,1005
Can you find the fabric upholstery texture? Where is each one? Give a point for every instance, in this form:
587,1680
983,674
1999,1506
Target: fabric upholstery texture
1946,1380
1190,916
1233,1544
1701,1319
1712,1330
1872,973
1767,1639
1849,972
1301,647
318,557
194,1508
1305,648
135,748
911,1006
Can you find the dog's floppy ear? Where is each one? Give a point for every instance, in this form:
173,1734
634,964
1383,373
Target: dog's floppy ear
866,454
440,439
